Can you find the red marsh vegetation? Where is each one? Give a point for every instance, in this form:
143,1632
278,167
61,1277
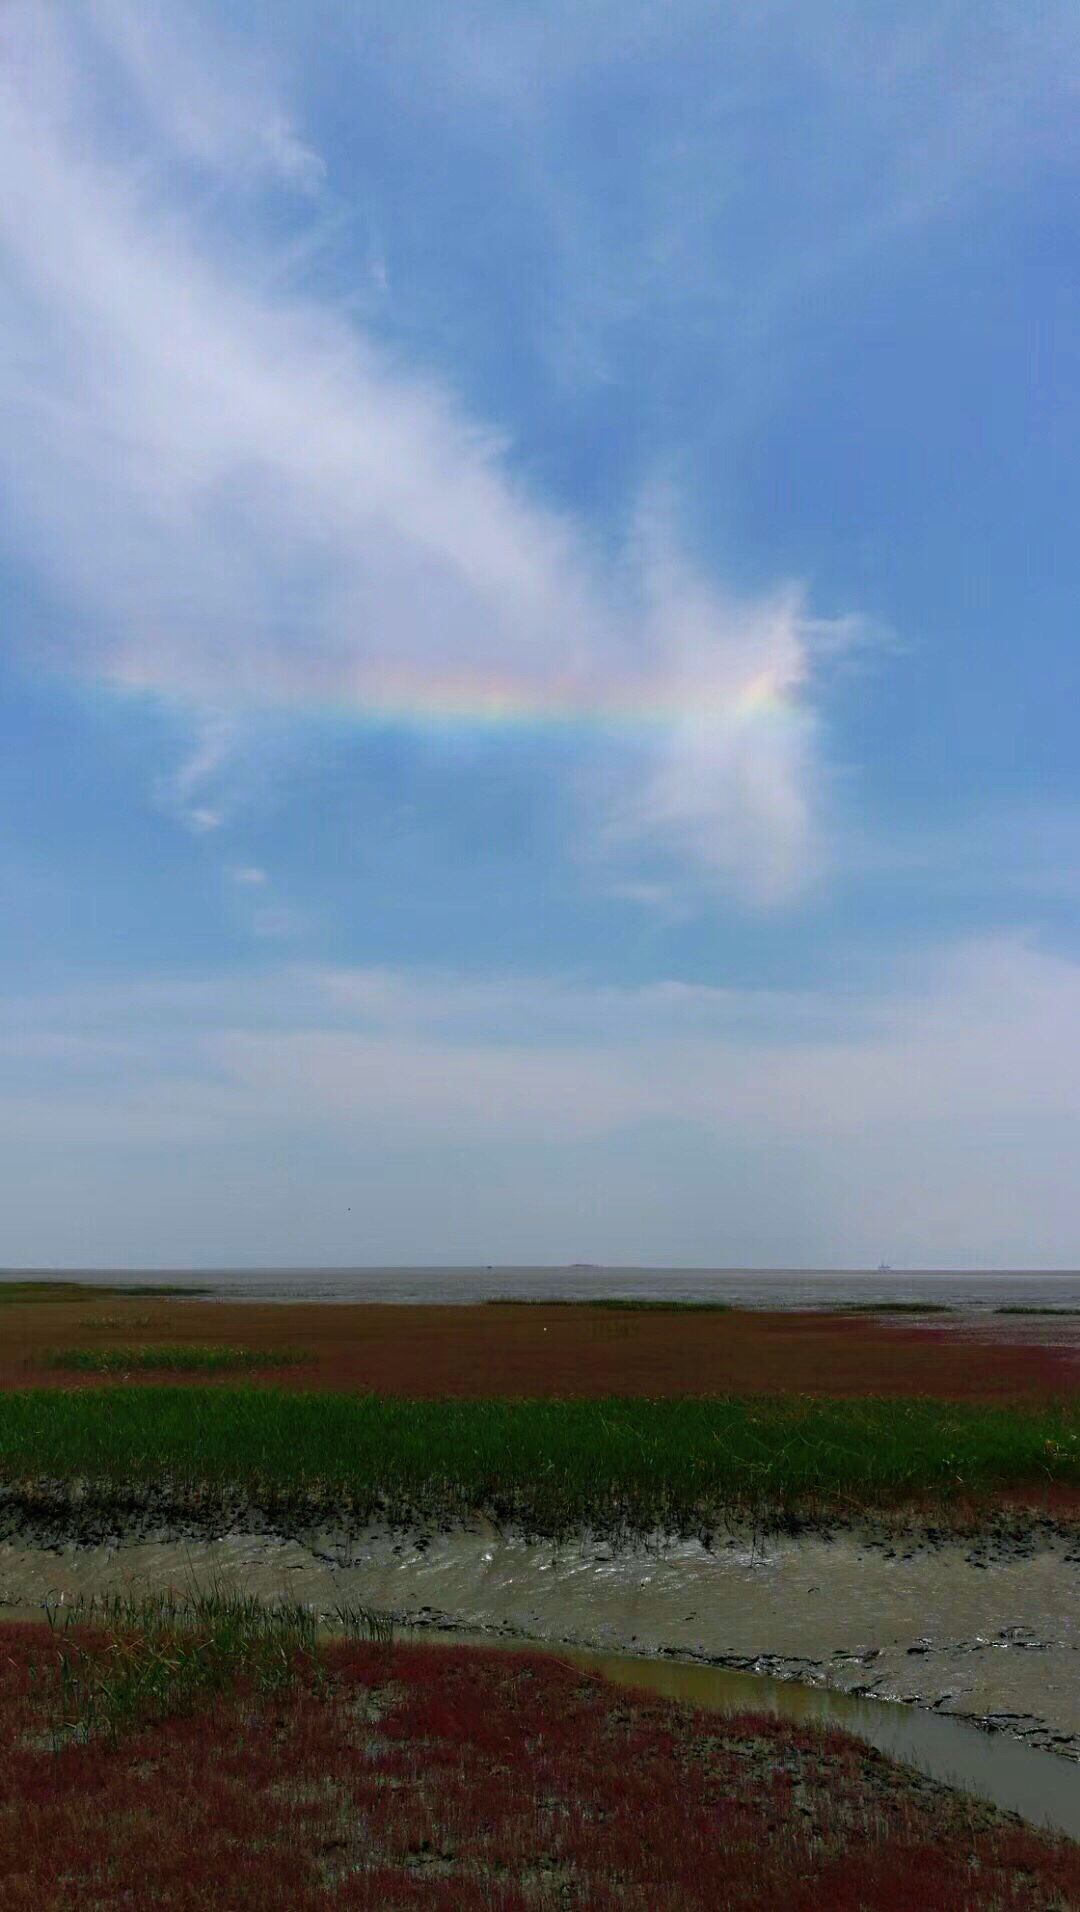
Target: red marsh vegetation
479,1781
552,1351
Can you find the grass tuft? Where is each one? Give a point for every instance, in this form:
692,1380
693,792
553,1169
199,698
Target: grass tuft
895,1307
114,1322
1018,1308
634,1304
156,1657
176,1360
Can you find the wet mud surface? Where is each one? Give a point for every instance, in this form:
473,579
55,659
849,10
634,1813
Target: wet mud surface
983,1628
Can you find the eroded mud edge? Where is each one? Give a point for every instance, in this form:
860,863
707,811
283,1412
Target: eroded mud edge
45,1511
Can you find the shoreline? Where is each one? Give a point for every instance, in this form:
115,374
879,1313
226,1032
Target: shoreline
982,1626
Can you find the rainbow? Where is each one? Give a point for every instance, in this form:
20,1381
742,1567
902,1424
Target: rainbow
401,697
455,701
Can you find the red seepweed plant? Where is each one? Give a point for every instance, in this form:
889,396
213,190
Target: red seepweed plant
480,1781
539,1352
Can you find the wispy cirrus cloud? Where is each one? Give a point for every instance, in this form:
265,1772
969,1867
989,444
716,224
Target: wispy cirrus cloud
245,504
869,125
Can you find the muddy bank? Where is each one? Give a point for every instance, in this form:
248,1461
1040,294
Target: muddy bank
985,1627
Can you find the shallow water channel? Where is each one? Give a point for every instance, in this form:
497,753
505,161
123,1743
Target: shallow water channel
1040,1787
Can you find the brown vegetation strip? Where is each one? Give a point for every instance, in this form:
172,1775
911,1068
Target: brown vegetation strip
537,1352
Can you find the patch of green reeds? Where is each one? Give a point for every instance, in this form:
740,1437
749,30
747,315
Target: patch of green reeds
132,1323
1018,1308
636,1304
19,1289
180,1359
895,1307
552,1465
120,1662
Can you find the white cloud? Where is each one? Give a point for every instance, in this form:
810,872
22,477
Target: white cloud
987,1030
201,93
182,791
246,504
928,1119
981,1030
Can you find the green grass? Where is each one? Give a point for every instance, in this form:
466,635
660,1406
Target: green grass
634,1303
26,1290
553,1465
893,1307
132,1323
1018,1309
156,1657
174,1360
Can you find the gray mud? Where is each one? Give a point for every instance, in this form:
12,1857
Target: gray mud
985,1629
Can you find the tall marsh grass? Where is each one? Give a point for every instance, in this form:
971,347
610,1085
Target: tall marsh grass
119,1662
552,1465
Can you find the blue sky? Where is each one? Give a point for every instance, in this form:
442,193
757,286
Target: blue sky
538,584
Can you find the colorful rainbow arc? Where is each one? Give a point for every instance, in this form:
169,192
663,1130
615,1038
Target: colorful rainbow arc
489,704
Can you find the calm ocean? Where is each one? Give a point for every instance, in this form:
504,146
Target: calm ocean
751,1287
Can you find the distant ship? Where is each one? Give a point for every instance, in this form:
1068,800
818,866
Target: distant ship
884,1268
